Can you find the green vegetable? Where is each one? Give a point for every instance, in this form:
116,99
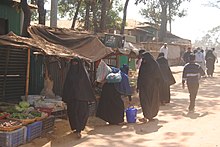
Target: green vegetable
24,104
18,108
21,116
35,113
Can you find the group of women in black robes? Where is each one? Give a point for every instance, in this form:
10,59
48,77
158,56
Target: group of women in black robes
153,84
77,92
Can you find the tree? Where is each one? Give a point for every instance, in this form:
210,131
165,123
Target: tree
210,39
124,17
87,21
214,4
96,15
76,14
104,8
41,11
160,11
27,17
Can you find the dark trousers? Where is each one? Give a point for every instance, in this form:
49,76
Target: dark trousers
193,89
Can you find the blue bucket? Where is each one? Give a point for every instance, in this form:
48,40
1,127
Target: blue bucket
131,114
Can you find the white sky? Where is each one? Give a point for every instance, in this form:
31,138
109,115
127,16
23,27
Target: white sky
199,20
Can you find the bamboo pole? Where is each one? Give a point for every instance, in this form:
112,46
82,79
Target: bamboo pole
27,74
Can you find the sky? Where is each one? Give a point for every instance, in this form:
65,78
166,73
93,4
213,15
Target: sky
199,20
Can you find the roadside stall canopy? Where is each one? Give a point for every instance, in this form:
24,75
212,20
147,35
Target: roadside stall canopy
86,45
39,45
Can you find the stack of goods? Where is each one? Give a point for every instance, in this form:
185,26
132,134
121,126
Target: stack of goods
22,123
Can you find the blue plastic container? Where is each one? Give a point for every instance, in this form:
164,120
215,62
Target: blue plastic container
131,114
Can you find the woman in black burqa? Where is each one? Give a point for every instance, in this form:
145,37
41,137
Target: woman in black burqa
111,105
168,79
77,92
148,82
210,62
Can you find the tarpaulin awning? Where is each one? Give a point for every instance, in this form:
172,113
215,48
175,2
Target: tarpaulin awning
40,45
85,45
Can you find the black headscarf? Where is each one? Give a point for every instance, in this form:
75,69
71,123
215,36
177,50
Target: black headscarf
77,84
148,63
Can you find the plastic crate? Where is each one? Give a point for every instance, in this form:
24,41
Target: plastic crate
13,138
60,114
34,130
48,124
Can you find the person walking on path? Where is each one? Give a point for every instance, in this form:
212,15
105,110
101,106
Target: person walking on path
191,73
215,54
77,92
111,106
186,55
200,58
168,79
164,49
210,62
148,82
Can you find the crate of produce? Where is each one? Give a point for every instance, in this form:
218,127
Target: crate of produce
34,130
13,138
60,113
48,124
9,125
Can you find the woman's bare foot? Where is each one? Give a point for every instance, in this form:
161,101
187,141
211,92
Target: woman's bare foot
144,120
78,135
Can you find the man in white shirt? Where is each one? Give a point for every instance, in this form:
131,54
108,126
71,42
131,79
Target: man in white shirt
215,54
164,49
200,58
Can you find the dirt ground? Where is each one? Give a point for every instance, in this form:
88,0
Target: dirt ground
173,127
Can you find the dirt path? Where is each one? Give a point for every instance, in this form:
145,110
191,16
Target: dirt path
173,127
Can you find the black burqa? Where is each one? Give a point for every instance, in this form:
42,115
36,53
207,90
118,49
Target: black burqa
111,106
167,80
148,81
77,92
210,62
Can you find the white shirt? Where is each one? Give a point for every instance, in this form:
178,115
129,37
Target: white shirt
165,51
215,54
199,57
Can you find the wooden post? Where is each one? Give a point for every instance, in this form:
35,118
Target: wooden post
27,74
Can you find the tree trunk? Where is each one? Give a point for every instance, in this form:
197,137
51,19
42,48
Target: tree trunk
163,25
76,14
170,16
104,8
41,12
27,17
87,21
94,13
124,17
53,13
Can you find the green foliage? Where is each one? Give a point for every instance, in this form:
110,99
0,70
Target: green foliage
153,12
67,9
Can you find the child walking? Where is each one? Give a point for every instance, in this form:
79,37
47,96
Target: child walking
191,74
